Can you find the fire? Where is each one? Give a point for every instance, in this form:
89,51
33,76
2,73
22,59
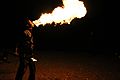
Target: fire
71,9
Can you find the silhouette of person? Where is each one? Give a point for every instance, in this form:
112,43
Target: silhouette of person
24,49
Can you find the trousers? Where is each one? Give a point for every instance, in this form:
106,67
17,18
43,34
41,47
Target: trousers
23,64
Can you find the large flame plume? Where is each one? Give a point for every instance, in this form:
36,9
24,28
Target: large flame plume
71,9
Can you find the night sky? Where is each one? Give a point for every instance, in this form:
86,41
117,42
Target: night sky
86,33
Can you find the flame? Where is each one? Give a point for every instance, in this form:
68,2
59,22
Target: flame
71,9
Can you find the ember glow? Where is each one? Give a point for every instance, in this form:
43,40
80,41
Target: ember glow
71,9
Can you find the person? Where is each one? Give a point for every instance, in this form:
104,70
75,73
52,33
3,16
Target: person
24,49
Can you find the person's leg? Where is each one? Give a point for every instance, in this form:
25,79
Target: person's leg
21,70
32,69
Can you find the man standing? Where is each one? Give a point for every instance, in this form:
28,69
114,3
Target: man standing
25,51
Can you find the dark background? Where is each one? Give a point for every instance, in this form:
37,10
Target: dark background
90,33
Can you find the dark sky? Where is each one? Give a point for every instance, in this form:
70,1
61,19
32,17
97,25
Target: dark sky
81,33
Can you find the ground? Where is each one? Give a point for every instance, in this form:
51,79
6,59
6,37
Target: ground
62,65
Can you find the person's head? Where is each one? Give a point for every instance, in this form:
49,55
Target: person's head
29,24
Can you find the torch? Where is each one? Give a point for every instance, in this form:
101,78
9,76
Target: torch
33,59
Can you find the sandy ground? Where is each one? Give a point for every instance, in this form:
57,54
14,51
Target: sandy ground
58,65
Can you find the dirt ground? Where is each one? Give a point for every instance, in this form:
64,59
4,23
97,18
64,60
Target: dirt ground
60,65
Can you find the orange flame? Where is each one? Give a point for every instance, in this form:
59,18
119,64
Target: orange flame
71,9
